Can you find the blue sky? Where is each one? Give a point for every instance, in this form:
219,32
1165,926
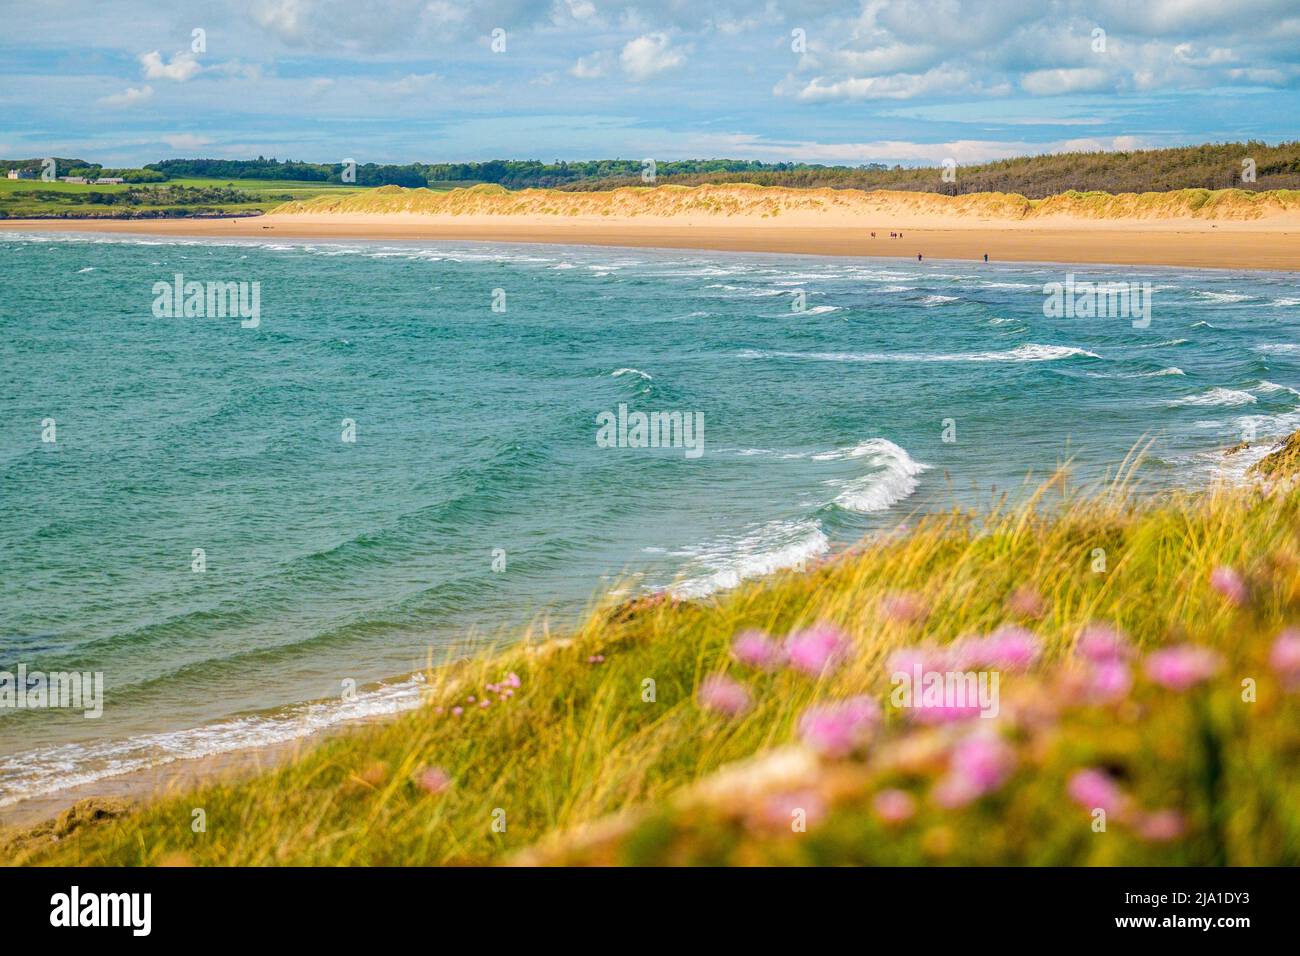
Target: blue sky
119,82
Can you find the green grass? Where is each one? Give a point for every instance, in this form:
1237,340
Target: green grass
578,742
19,198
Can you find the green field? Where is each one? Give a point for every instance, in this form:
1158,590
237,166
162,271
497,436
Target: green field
33,199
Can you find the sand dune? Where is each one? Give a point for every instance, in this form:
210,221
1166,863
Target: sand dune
770,205
1227,228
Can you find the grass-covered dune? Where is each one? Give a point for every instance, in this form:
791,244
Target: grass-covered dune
744,199
1149,713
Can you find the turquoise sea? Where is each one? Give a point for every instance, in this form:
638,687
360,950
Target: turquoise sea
475,494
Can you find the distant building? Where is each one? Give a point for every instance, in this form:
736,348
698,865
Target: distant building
72,179
21,174
109,180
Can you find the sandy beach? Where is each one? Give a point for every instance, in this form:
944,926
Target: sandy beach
1214,246
1174,229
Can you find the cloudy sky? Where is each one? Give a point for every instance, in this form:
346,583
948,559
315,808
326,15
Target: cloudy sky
836,81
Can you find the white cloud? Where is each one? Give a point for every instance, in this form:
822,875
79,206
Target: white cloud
186,141
591,67
1055,82
128,97
649,55
182,67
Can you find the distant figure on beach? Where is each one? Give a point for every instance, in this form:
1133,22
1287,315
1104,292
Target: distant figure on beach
918,257
986,257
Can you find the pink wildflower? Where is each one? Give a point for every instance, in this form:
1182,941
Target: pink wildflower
457,711
596,659
756,649
1229,584
1109,681
1094,789
1007,648
902,607
817,650
1027,602
433,780
894,806
781,811
1161,826
512,680
485,702
724,695
1181,667
839,729
1101,644
1285,657
980,764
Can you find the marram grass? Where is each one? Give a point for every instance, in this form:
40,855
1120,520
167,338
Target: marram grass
1195,763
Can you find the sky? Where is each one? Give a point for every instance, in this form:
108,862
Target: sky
125,82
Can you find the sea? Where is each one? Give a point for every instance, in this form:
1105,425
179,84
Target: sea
258,529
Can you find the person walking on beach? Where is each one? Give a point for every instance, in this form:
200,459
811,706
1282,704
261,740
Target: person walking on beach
918,257
986,257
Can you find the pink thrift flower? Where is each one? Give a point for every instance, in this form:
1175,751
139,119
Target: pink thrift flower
1285,657
1102,644
837,730
781,811
596,659
457,711
484,702
1181,667
817,650
433,780
927,657
984,760
1161,826
1007,648
512,680
902,607
979,764
1094,789
894,806
1229,584
724,695
469,699
756,649
1109,681
1027,602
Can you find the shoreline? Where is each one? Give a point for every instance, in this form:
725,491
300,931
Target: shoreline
146,785
1253,245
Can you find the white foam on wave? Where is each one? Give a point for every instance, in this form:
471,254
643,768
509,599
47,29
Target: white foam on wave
48,770
629,371
1158,373
1215,396
893,476
935,299
1221,296
1280,348
819,310
1030,352
727,560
